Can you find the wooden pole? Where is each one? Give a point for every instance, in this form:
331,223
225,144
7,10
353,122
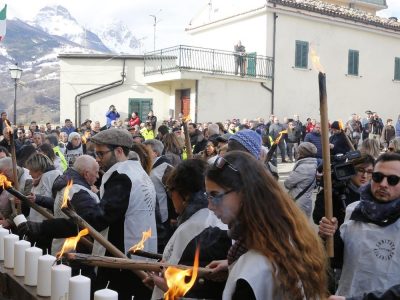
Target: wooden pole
33,205
146,254
188,146
14,164
44,212
326,156
128,264
99,238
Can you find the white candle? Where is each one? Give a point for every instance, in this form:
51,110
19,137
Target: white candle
19,257
9,241
60,275
3,233
79,288
32,255
105,294
19,219
44,271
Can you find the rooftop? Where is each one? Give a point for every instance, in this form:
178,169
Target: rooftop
356,15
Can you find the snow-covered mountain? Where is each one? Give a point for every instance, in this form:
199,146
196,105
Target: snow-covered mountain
56,20
118,37
36,44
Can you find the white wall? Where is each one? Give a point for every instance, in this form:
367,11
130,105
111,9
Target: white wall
297,90
225,36
81,74
221,99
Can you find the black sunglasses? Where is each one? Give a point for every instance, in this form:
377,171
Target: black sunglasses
392,180
221,162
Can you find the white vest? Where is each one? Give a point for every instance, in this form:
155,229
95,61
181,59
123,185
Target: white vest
57,243
44,189
257,271
371,256
140,215
185,233
156,176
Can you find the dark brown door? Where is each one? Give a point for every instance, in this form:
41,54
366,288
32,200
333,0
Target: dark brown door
185,104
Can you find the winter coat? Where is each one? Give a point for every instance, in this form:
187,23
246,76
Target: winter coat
388,134
315,138
301,177
340,144
398,128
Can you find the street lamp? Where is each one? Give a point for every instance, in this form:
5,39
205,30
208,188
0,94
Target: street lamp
15,73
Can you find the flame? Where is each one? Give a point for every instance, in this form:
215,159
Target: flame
177,287
280,134
341,125
66,193
140,245
9,128
70,243
315,61
85,137
4,182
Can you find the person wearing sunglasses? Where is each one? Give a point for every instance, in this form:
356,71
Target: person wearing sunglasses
344,193
370,232
283,256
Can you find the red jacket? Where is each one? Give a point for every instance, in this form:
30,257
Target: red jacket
135,121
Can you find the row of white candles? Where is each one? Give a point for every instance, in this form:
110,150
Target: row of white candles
40,270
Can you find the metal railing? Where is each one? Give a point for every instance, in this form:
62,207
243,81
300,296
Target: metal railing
196,59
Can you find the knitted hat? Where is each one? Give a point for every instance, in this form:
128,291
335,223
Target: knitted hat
335,125
249,139
73,135
306,149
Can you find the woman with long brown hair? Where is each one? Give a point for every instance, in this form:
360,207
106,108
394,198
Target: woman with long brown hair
281,256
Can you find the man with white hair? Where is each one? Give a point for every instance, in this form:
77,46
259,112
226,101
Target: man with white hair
24,186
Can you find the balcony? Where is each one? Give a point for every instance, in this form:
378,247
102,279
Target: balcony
208,61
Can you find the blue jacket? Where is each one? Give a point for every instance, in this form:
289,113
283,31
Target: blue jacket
111,116
315,138
398,128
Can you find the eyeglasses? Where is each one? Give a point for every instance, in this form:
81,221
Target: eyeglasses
220,162
364,171
100,154
216,199
392,180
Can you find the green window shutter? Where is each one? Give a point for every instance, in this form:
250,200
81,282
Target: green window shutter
140,105
397,68
353,62
301,55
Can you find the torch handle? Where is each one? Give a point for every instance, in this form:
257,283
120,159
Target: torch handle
33,205
99,238
129,264
187,140
144,254
326,157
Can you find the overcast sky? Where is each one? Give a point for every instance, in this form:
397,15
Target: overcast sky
172,15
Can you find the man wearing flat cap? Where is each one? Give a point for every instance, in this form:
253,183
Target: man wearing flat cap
128,198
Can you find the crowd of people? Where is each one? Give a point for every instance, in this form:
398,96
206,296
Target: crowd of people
221,195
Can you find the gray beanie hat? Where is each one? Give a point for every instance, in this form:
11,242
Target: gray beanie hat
306,149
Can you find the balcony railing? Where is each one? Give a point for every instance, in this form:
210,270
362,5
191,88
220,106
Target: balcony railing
212,61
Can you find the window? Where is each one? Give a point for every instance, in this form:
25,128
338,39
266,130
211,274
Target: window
301,59
397,68
353,63
141,106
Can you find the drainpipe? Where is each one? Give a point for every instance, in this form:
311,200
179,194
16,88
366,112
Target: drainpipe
108,86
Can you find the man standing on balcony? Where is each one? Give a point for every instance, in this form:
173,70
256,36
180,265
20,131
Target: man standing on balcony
240,58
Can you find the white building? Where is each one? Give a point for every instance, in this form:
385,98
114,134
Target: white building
360,54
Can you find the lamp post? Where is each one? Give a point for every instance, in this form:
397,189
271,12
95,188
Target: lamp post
154,29
15,73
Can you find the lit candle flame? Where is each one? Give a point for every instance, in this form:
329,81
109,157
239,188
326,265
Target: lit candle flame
315,61
140,246
70,243
177,287
4,182
66,194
